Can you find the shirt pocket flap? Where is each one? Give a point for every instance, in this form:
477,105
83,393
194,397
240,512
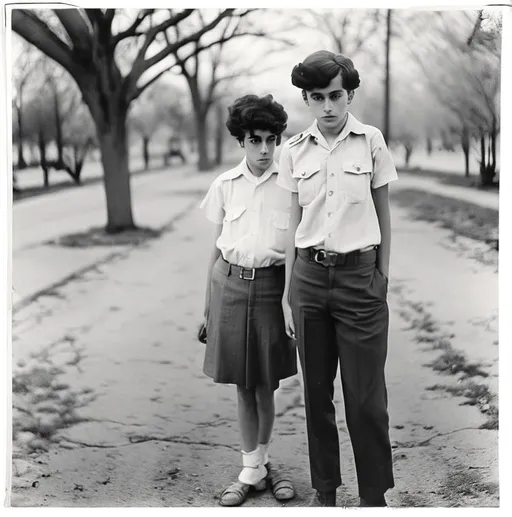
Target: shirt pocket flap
305,172
234,212
281,219
358,168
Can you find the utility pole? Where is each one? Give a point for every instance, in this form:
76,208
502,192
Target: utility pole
387,133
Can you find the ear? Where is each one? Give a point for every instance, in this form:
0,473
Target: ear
305,97
241,142
351,96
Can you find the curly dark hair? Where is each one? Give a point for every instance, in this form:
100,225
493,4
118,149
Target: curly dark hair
319,68
251,112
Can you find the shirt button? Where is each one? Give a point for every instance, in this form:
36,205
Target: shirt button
332,174
303,174
330,192
358,168
329,214
330,235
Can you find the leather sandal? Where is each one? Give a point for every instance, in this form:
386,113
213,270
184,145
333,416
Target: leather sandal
282,487
236,493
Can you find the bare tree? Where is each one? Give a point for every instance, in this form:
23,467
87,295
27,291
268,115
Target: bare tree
206,67
88,52
23,69
347,31
466,81
79,136
150,111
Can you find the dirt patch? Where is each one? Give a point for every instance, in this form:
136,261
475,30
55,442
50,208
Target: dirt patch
476,395
97,236
452,362
464,484
463,218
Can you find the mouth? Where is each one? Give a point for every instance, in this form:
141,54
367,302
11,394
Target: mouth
329,117
264,160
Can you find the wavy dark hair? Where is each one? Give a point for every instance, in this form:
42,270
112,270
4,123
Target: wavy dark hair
251,112
321,67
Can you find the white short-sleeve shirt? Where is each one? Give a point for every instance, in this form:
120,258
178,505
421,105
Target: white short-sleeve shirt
334,185
254,213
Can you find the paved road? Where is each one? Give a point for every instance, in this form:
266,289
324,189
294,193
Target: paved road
108,374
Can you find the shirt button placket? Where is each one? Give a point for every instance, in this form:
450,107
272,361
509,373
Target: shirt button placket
331,190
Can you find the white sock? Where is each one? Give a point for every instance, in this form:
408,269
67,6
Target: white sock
253,471
264,452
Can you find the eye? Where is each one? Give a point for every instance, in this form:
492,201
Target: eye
254,141
336,96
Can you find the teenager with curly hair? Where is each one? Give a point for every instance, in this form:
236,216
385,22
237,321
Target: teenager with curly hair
246,343
337,264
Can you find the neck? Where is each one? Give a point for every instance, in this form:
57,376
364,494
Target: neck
255,171
332,134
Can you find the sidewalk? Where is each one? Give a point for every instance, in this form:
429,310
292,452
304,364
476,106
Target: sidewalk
486,199
157,197
112,401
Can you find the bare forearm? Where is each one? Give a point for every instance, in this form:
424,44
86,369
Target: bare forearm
381,200
295,217
214,255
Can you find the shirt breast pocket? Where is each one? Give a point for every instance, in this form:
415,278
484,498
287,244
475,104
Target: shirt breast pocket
280,222
231,221
308,183
356,182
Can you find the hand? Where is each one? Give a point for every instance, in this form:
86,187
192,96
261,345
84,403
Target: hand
201,334
288,319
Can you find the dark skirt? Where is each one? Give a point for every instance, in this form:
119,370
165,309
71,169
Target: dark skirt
246,340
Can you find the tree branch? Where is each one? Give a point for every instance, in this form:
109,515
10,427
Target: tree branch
76,27
36,32
152,33
148,63
149,83
132,30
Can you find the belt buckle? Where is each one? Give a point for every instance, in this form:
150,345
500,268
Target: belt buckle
328,258
242,273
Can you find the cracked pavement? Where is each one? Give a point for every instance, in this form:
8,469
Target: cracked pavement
111,407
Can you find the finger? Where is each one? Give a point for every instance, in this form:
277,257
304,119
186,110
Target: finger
292,327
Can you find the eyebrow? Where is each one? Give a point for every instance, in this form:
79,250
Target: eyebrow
330,93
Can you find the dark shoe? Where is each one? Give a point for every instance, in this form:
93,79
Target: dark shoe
323,499
374,503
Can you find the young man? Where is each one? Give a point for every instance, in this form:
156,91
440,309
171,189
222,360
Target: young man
246,343
334,301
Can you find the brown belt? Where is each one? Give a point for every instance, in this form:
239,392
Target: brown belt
331,259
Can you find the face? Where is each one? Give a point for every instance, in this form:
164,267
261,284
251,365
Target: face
259,150
329,105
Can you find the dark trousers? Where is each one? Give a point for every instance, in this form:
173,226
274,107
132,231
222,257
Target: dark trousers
341,315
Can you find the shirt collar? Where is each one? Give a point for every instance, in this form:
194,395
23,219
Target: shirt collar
243,170
352,126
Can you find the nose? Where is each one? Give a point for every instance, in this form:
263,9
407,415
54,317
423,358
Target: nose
263,148
327,106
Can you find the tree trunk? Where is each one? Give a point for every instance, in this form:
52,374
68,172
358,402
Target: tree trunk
145,151
408,152
465,147
202,143
387,135
219,136
42,157
493,136
429,146
116,175
58,130
483,163
22,164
